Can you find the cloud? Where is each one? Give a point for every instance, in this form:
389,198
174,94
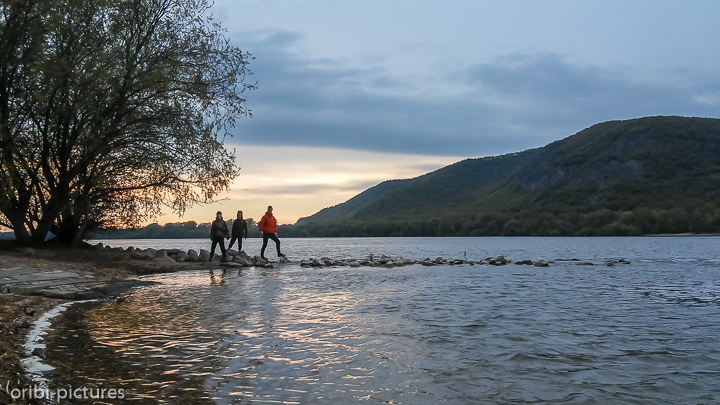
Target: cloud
508,104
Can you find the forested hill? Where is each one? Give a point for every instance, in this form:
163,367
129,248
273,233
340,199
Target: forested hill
642,176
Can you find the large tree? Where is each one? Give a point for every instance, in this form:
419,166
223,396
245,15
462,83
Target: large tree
111,109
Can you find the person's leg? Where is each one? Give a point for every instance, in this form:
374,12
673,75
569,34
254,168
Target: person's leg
222,248
265,240
232,240
277,244
240,244
212,249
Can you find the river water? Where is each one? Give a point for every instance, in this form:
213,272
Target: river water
641,333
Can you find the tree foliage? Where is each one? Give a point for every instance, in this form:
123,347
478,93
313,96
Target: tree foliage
111,109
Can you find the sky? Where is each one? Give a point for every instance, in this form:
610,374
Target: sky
352,93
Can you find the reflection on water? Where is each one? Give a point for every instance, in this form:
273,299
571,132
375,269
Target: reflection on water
648,332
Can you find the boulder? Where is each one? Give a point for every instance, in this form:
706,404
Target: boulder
541,263
181,256
242,261
204,255
192,256
610,263
526,261
117,249
165,260
130,249
161,252
316,263
99,246
499,261
354,263
143,255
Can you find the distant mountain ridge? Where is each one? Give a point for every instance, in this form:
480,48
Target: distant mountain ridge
647,175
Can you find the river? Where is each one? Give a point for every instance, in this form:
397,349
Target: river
647,332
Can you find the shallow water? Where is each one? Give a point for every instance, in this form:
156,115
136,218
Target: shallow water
643,333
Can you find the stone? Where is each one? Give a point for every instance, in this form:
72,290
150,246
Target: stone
192,256
610,263
204,255
316,263
5,289
38,351
99,246
130,249
499,261
541,263
181,256
142,255
165,260
242,261
523,262
117,249
354,263
161,252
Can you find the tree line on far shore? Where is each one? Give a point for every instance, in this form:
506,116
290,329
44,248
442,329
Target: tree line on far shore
604,222
176,230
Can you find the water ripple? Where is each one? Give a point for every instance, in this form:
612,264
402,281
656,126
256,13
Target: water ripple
644,333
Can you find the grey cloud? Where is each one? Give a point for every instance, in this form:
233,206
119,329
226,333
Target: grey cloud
510,104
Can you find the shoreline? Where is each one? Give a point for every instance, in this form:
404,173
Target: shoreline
113,271
100,274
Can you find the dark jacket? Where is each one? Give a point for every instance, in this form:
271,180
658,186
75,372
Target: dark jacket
218,230
239,228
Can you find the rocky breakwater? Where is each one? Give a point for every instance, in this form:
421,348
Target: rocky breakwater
399,261
170,258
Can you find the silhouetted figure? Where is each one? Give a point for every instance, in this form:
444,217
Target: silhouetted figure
218,234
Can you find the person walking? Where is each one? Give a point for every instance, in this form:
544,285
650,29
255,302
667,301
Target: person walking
268,230
218,234
239,230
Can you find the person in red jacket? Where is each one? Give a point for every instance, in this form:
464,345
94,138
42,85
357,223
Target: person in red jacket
268,230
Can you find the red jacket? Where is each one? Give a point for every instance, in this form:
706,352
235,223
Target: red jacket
268,223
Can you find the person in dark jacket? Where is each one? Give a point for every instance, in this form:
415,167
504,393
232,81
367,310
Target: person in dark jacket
239,230
218,234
